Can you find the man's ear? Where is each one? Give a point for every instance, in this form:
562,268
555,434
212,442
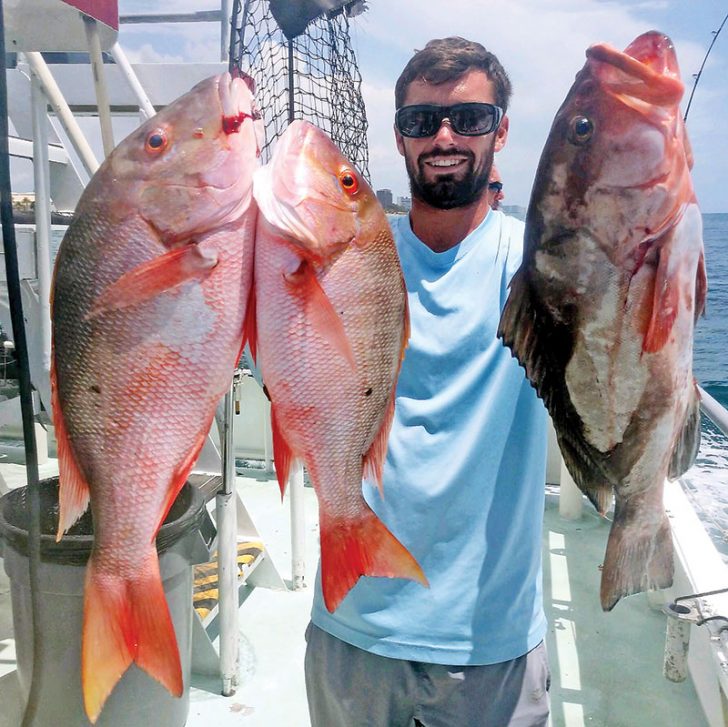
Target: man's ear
501,135
399,140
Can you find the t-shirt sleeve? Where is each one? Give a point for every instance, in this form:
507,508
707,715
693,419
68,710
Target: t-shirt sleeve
513,230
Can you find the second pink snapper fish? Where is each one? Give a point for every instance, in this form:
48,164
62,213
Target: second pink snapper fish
332,324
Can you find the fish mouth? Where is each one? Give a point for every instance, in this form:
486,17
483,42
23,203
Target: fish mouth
286,190
648,66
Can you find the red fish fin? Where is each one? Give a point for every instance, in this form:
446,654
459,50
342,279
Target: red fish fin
374,458
123,622
73,493
157,650
324,319
106,650
407,328
362,547
180,474
282,454
665,304
251,325
152,278
638,557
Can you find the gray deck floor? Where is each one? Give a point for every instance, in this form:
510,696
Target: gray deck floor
606,668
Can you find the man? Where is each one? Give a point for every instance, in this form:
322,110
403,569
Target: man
465,469
495,188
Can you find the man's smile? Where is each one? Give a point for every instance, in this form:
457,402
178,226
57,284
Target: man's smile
445,162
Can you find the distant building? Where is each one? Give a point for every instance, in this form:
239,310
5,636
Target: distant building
405,203
385,198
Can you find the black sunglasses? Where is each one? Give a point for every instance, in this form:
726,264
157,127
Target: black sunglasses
495,186
466,119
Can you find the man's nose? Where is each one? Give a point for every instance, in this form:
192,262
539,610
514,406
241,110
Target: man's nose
445,134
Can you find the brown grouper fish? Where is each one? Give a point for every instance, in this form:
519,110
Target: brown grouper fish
331,324
602,311
150,290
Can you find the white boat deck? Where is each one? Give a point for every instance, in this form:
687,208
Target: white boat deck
606,668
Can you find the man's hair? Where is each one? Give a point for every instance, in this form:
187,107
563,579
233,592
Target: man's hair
447,59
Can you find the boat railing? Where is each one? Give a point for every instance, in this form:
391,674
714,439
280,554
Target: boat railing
714,410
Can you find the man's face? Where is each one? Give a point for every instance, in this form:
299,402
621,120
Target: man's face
448,170
495,193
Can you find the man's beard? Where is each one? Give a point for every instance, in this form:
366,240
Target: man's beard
447,192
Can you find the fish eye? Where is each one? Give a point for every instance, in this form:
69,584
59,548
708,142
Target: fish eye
580,130
349,182
156,141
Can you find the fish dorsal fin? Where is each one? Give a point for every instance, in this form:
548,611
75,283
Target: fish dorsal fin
374,458
320,312
373,462
250,335
688,441
73,492
153,277
282,454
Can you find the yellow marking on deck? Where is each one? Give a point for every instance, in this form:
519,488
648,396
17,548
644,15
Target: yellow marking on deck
205,594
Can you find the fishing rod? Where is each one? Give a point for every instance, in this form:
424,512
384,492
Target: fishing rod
716,33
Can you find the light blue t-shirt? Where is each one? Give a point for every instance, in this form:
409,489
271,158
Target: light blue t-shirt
465,470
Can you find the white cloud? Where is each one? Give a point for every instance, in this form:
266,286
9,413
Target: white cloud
542,50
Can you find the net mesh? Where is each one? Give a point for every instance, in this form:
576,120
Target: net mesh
314,76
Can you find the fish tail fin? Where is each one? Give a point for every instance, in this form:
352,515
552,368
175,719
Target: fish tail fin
125,621
157,650
363,547
639,553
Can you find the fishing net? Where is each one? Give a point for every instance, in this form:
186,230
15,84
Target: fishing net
312,75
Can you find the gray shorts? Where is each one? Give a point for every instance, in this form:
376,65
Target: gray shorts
350,687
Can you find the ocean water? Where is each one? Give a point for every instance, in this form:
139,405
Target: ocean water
706,483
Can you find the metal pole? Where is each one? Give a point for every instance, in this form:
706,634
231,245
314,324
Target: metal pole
226,10
41,176
102,96
227,555
298,528
26,400
62,110
145,105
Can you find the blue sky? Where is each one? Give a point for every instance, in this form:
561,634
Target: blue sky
542,46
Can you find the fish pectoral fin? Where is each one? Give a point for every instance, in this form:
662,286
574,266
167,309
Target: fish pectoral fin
688,442
73,491
677,259
282,454
373,463
322,316
362,547
126,621
154,277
